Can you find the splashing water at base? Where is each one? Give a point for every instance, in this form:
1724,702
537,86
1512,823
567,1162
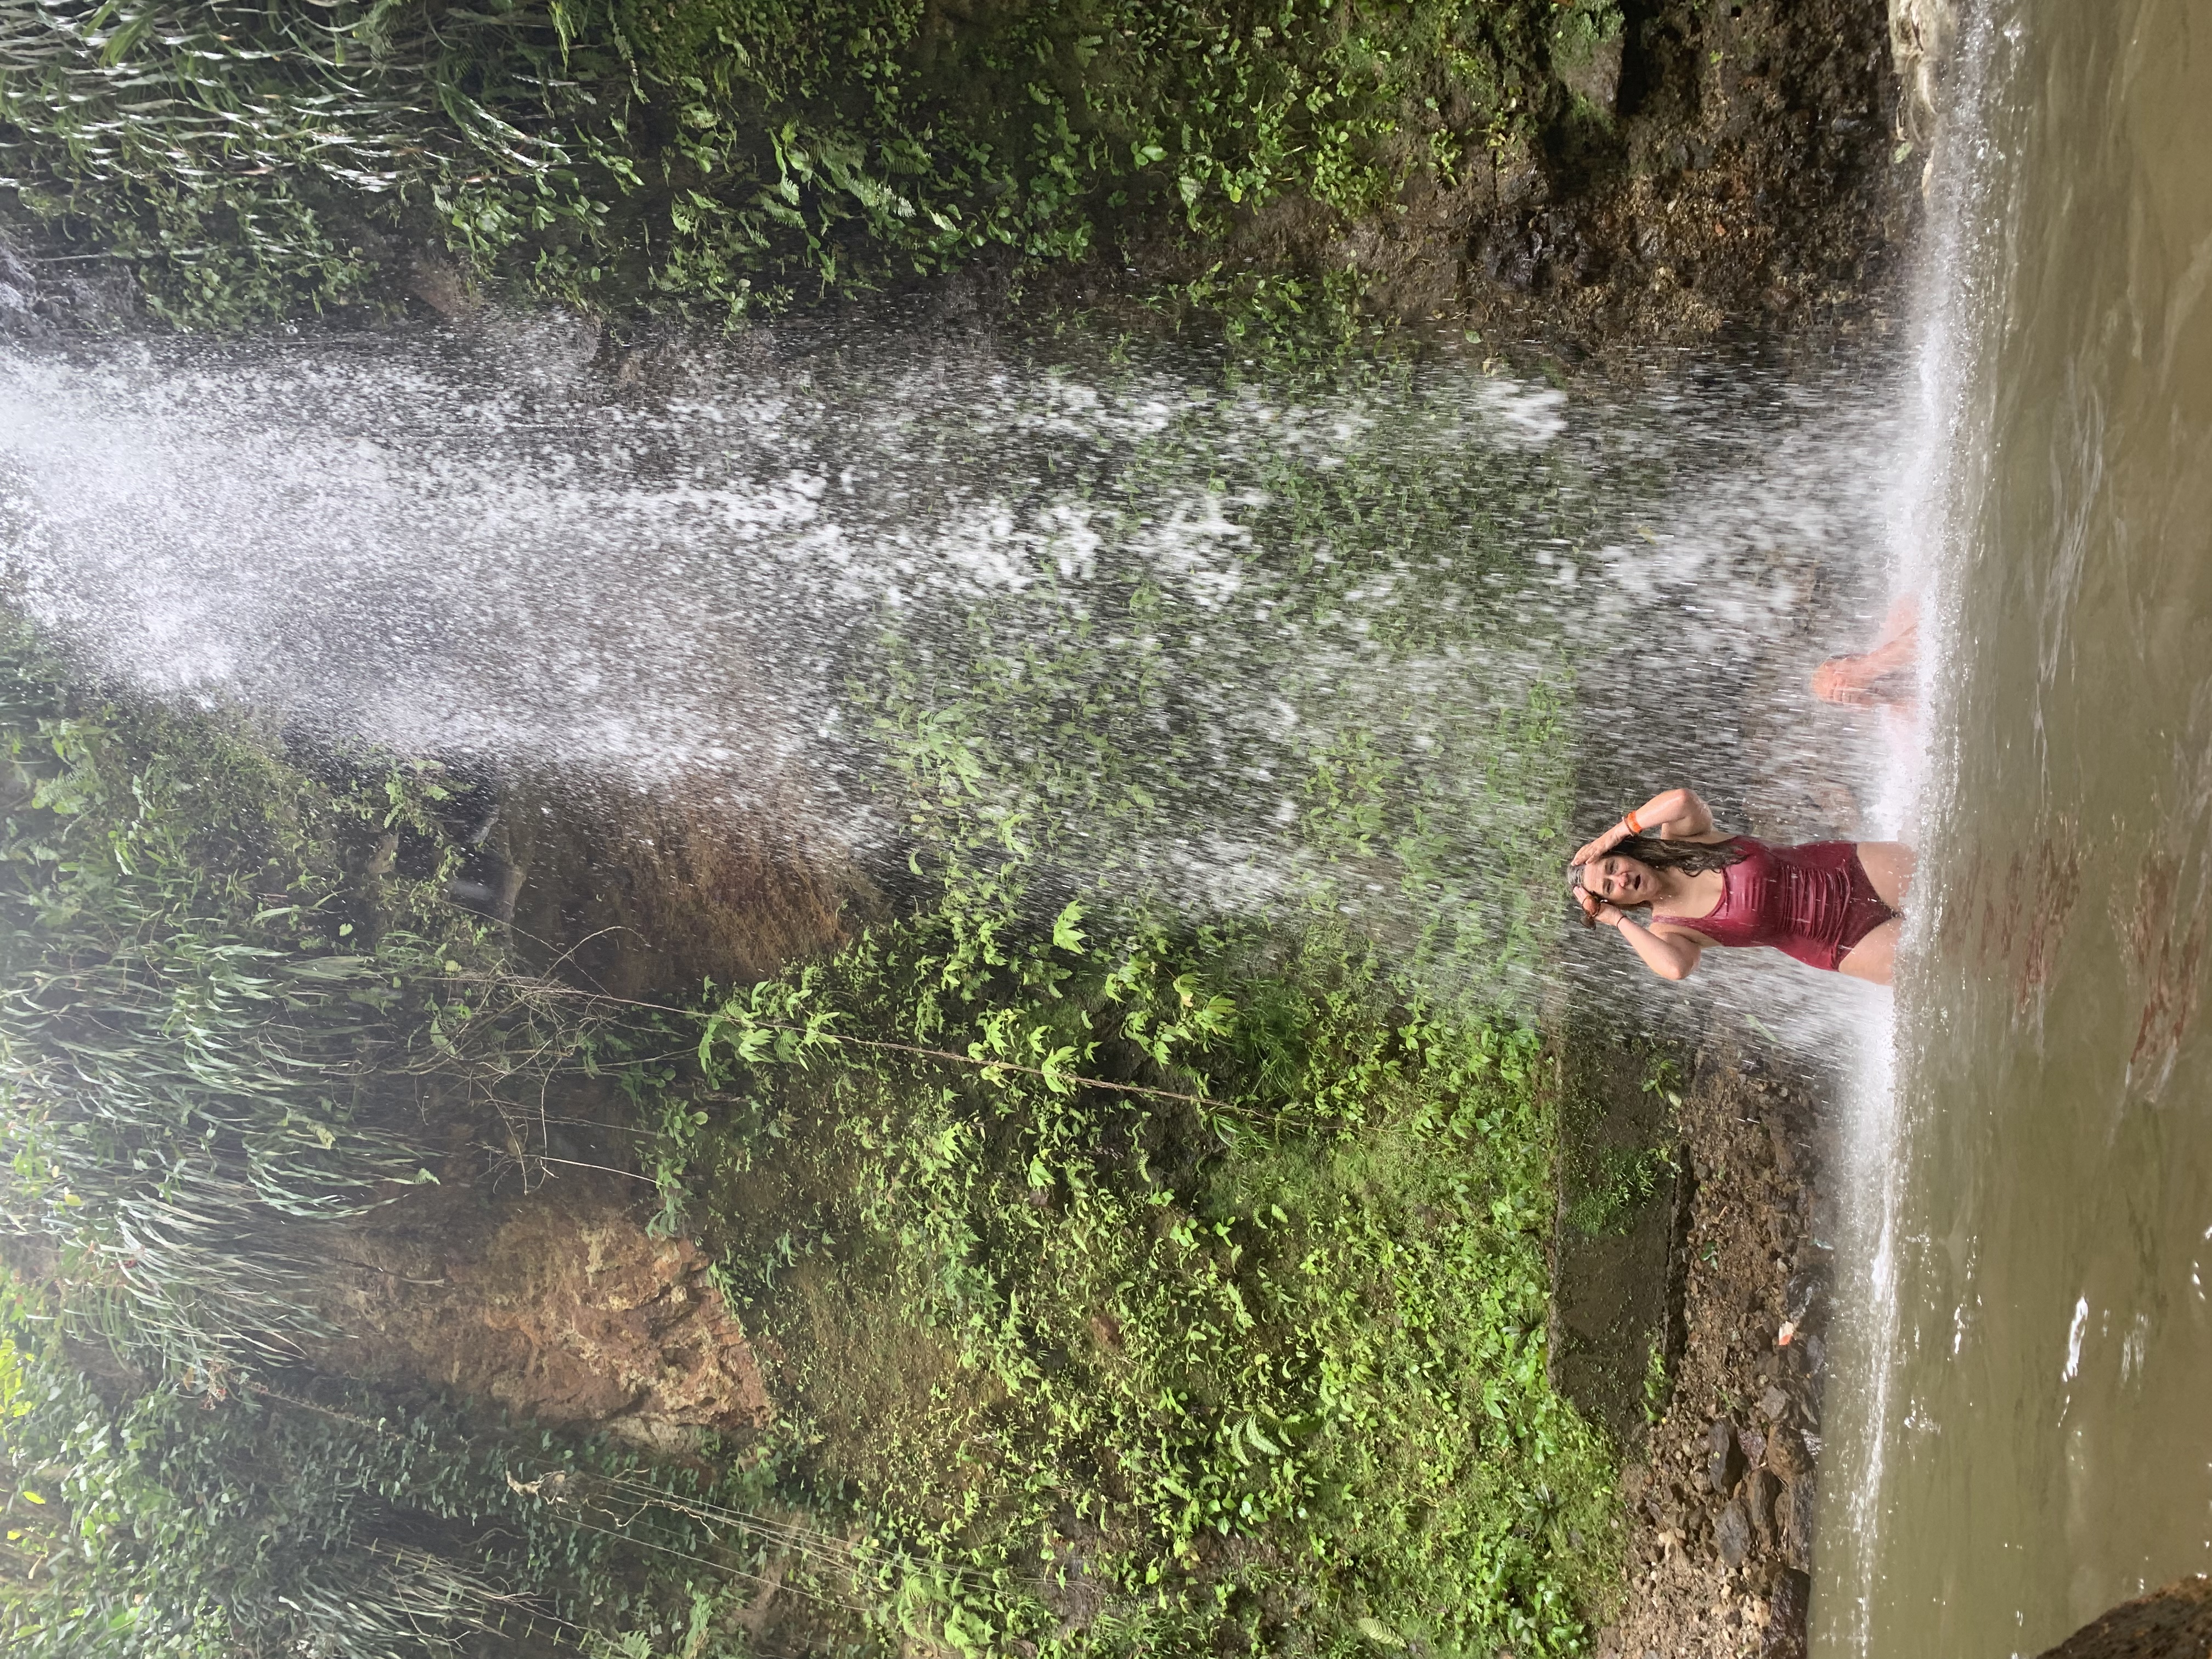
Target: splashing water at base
2017,1437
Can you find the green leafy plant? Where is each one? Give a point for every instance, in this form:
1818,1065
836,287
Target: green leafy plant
223,1031
708,158
1625,1180
1658,1381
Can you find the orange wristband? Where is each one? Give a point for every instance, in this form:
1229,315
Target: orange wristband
1633,827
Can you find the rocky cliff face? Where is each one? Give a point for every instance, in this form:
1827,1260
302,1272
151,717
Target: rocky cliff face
556,1306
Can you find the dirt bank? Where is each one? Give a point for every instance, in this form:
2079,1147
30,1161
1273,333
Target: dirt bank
539,1289
1719,1488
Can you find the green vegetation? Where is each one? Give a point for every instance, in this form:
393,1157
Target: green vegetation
1186,1285
1180,1288
229,1021
1131,1286
1623,1184
237,1012
707,159
1658,1384
1270,679
336,1522
1608,1182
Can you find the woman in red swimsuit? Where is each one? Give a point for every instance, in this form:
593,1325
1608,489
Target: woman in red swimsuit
1835,904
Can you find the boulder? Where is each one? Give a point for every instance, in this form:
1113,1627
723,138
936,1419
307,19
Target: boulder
1787,1455
1787,1609
2174,1623
1760,1489
1798,1513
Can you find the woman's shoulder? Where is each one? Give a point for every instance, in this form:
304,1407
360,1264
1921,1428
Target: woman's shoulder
1723,838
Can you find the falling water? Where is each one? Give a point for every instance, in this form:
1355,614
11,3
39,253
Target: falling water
1233,643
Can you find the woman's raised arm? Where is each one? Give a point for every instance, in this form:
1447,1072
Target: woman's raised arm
1671,815
1670,955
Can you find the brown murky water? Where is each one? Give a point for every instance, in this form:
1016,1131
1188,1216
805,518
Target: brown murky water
2023,1436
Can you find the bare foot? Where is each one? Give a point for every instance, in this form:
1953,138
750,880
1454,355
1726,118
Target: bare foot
1880,677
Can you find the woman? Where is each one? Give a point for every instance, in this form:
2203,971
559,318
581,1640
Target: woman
1835,904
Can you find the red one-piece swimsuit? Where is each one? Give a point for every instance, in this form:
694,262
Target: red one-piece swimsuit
1814,902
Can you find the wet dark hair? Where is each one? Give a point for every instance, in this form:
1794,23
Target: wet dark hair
1692,858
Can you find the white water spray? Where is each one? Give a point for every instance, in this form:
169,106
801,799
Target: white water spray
1353,646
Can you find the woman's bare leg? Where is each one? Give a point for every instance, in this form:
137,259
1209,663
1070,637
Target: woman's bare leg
1874,957
1888,865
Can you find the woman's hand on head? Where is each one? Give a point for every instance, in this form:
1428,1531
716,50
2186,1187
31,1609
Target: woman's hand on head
1599,911
1598,849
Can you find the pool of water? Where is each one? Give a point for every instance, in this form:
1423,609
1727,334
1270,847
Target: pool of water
2019,1424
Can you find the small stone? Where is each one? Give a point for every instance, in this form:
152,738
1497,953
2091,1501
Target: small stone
1786,1454
1732,1535
1774,1405
1806,1295
1725,1459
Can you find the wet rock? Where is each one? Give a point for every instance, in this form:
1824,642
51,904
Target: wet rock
1760,1489
439,284
1732,1535
1800,1513
1589,64
1786,1617
1539,252
1923,36
1806,1300
2166,1624
1724,1460
1786,1453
